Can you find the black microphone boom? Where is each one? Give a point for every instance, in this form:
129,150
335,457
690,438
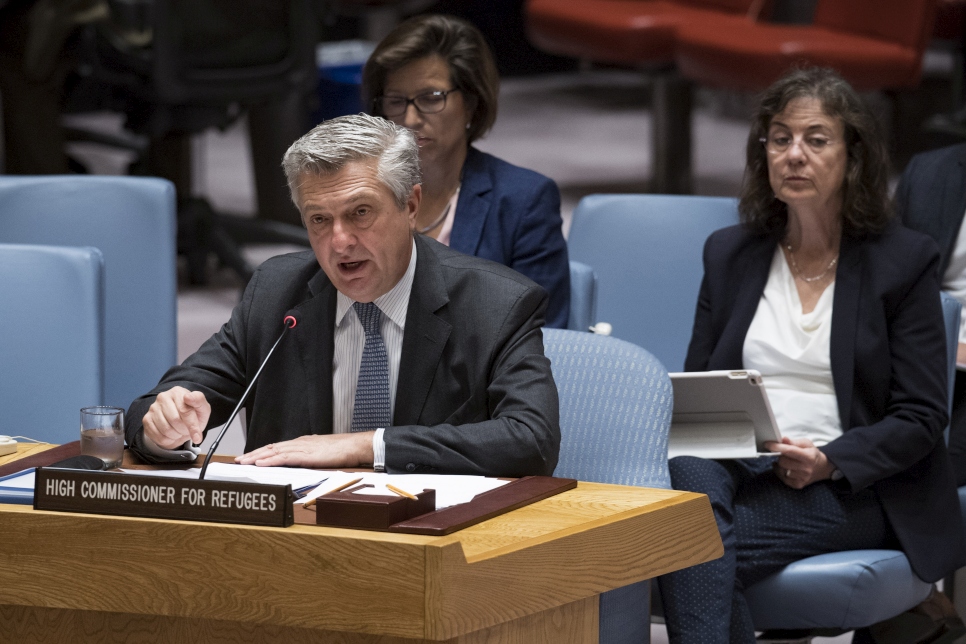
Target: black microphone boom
289,321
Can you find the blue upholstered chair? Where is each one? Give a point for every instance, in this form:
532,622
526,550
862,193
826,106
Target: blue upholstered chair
132,221
51,336
583,297
646,253
615,412
858,587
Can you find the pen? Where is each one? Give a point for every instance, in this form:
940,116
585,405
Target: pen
302,491
311,502
393,488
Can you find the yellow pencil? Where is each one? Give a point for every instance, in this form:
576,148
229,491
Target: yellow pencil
393,488
311,502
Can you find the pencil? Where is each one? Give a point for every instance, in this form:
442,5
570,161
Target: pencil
311,502
393,488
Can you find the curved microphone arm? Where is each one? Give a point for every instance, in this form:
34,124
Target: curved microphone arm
289,321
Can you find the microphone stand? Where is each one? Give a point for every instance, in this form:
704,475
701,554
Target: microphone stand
289,323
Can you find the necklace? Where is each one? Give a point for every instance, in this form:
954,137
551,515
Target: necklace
442,217
439,220
798,271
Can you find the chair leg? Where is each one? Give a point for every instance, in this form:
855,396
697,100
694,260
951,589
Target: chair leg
671,134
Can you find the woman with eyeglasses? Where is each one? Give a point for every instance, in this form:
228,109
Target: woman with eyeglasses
838,307
435,75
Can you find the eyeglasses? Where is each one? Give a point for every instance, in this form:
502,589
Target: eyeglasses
779,143
428,103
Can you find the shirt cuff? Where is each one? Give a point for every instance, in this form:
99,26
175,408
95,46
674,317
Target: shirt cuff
378,451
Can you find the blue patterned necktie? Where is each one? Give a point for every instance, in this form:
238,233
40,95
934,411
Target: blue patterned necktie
371,409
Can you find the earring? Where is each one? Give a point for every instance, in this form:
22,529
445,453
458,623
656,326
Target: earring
468,125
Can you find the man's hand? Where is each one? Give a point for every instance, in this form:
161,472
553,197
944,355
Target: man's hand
175,416
800,463
961,355
320,450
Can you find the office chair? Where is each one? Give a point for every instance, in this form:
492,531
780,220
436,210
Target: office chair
132,221
178,67
874,44
615,413
646,253
642,34
52,325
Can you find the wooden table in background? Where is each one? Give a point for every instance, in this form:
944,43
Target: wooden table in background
532,575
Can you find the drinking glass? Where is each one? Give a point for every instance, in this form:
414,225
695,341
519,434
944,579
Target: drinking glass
102,434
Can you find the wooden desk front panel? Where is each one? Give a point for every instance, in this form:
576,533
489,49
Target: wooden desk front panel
530,564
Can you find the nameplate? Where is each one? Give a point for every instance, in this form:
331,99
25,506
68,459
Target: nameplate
162,497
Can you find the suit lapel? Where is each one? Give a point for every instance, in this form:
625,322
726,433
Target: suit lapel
845,311
749,283
317,319
953,206
425,337
473,206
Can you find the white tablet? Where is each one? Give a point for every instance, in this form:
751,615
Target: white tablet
720,414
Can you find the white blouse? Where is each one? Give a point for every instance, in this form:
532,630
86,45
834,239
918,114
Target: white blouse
791,351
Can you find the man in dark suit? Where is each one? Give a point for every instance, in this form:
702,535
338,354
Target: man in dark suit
931,198
451,344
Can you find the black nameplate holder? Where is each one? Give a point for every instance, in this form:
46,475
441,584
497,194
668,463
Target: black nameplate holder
162,497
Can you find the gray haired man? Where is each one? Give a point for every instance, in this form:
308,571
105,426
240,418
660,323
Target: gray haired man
408,356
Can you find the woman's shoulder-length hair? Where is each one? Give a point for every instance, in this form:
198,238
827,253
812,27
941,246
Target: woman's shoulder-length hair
866,207
470,61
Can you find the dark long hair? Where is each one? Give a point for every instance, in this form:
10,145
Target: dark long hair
866,207
470,61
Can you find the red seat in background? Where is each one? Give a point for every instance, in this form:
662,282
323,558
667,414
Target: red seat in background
874,44
630,32
642,34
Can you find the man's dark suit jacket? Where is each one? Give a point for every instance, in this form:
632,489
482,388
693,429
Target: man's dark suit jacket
889,368
511,215
475,392
931,196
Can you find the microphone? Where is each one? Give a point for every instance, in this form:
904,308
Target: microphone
289,321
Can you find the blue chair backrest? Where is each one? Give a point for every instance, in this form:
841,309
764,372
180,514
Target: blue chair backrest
132,221
615,409
583,297
646,253
51,339
952,316
615,413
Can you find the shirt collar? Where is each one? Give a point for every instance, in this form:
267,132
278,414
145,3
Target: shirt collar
393,304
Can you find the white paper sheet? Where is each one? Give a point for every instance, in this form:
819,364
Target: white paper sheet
296,476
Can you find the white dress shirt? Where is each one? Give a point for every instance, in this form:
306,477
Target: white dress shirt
791,351
350,338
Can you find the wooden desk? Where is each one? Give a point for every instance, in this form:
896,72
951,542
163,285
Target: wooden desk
532,575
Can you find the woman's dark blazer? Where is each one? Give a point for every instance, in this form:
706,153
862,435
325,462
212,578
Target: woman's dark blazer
888,356
511,215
